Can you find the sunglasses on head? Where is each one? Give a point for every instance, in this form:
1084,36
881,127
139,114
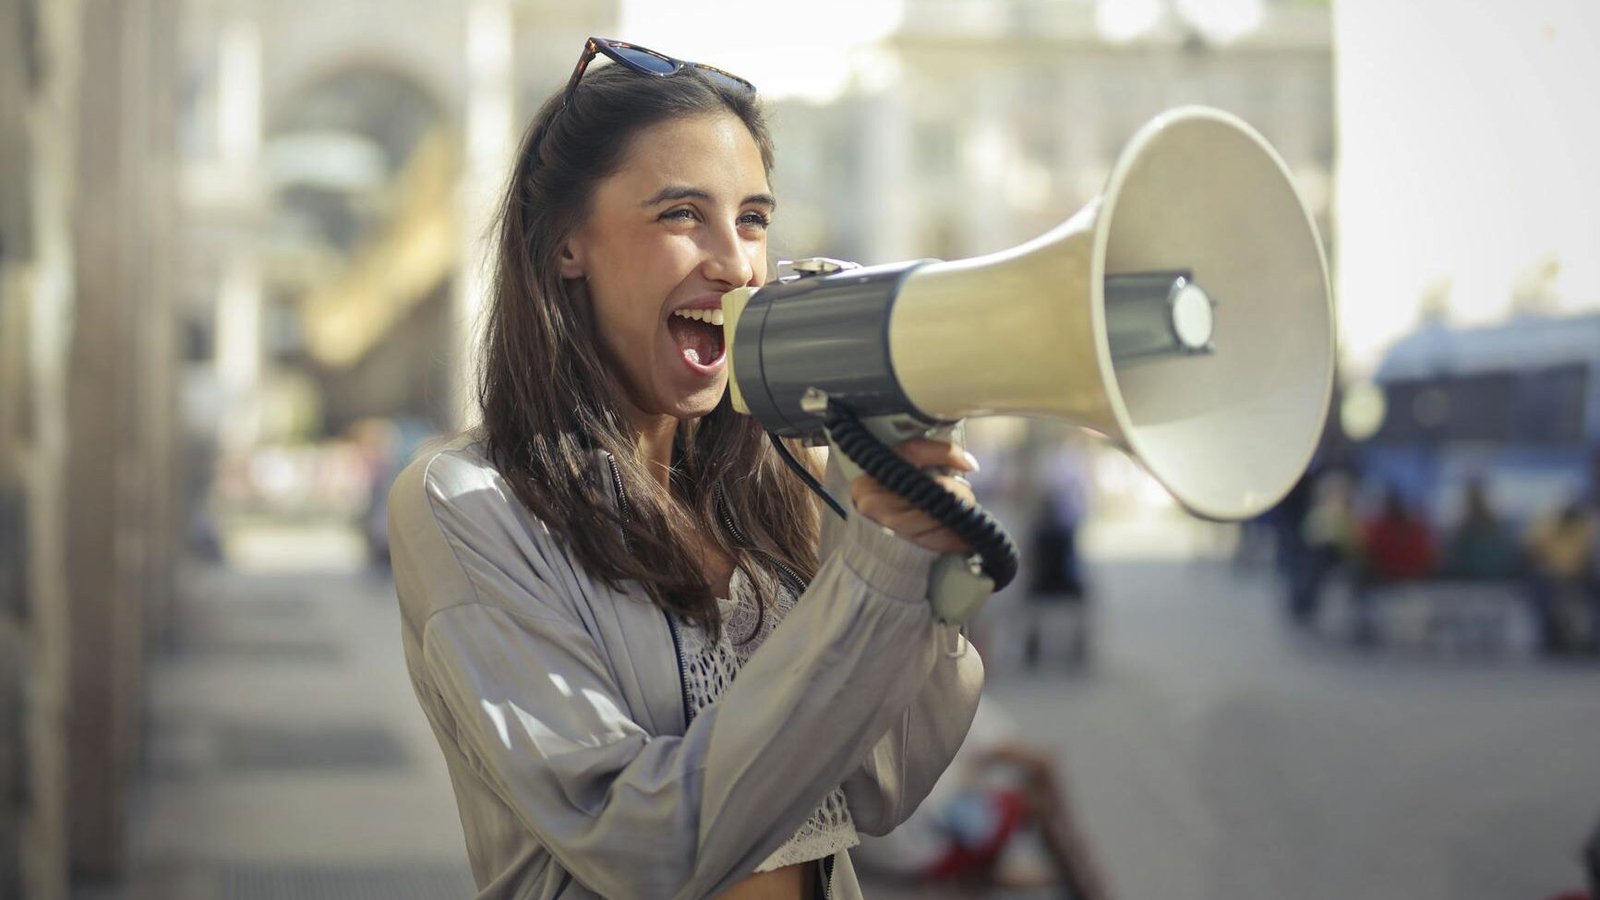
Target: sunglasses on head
644,61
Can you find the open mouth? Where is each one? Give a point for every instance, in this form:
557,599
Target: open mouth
698,334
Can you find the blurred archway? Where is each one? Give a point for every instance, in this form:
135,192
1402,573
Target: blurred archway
361,240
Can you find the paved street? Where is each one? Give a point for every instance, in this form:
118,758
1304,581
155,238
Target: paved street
1212,753
1216,755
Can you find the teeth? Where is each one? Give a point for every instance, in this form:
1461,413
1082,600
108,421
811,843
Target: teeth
710,316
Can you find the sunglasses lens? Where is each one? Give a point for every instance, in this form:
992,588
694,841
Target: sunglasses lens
649,62
723,79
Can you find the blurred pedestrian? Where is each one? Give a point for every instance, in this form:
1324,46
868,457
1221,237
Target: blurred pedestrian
1591,858
1589,855
1396,545
1288,525
1561,585
1055,573
1331,535
968,832
376,441
1482,546
1592,499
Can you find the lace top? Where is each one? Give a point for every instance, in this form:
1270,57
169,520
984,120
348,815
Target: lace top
712,666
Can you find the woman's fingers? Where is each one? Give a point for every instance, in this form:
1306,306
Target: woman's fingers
924,454
874,500
892,511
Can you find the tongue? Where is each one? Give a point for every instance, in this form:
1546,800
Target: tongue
699,342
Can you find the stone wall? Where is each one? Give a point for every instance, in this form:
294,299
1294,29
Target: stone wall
87,516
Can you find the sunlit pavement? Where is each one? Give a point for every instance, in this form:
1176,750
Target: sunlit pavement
1216,753
287,756
1212,752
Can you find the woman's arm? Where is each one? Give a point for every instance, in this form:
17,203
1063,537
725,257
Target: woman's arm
896,776
902,767
535,707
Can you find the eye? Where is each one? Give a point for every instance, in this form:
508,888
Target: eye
755,219
681,214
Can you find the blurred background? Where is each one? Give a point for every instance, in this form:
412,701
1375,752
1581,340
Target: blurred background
240,273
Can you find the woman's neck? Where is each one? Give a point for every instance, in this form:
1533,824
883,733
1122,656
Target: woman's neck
655,435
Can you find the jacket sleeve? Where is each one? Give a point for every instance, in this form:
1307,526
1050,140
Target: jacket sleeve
900,770
538,713
903,765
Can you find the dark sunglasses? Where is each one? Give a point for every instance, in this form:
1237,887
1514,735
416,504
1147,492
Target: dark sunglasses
642,60
646,62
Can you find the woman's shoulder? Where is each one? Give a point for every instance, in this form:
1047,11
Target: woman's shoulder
458,533
446,469
452,486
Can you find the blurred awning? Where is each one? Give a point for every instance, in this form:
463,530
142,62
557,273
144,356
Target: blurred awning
397,268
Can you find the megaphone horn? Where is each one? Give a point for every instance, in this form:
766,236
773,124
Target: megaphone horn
1184,315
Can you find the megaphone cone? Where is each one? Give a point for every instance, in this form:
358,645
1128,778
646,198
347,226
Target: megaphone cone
1185,316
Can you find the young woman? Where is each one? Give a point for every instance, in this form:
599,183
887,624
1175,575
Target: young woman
647,678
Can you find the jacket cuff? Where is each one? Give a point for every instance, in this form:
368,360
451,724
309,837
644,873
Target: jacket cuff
884,560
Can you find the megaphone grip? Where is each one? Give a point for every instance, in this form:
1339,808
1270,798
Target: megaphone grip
968,520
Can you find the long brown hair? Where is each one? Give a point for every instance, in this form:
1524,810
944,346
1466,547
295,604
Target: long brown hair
549,399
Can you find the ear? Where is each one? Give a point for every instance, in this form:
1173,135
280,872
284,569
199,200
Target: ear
571,259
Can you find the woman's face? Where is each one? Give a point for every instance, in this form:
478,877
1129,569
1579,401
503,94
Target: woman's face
683,221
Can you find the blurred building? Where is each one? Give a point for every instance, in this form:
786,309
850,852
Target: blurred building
337,179
978,125
88,462
222,222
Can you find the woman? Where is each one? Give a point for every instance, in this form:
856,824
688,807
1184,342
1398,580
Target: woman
560,568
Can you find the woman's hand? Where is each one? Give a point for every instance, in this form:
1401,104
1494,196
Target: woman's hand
890,510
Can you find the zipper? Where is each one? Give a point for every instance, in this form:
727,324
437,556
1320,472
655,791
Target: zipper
622,495
672,622
727,518
795,583
683,668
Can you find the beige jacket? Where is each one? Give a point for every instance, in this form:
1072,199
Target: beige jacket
558,702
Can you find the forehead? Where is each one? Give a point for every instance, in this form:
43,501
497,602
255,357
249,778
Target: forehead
713,152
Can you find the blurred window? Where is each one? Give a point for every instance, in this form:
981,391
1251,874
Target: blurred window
1408,411
1479,407
1539,407
1549,406
1462,408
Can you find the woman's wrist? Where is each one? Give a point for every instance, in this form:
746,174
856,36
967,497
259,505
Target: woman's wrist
885,560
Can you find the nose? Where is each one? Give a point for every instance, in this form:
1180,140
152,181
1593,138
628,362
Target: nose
728,258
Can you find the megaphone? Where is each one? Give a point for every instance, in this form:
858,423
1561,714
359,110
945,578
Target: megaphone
1185,316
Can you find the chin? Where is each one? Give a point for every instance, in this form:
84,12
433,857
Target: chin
696,410
701,403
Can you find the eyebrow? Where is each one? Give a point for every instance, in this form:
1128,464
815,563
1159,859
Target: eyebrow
680,192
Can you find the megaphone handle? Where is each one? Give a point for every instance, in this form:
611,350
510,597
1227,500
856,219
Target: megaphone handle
957,586
893,430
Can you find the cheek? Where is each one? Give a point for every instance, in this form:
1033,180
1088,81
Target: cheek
623,319
758,263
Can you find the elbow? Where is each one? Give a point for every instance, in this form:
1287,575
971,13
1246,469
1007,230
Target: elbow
877,827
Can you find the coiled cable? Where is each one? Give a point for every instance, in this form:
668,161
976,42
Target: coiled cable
969,521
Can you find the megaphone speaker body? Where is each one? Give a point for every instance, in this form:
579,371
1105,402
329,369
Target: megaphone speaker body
1197,199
